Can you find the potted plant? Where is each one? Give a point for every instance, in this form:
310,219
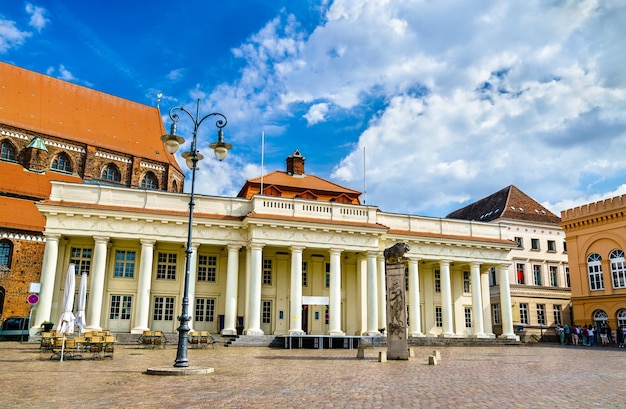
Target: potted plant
47,326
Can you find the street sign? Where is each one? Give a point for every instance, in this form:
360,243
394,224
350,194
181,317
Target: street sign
33,299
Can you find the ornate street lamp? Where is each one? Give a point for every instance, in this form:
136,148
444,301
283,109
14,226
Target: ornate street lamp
172,142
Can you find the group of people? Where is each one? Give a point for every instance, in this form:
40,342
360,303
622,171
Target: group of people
588,335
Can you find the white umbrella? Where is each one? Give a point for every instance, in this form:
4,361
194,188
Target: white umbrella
66,322
82,300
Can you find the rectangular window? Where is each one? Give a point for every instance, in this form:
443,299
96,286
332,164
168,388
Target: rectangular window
305,274
541,314
553,276
567,282
492,277
557,314
551,246
523,313
163,309
537,274
618,272
495,308
466,282
207,268
437,281
327,276
520,242
267,272
564,247
81,258
266,314
166,266
468,317
596,282
534,244
519,279
205,310
121,307
124,264
438,317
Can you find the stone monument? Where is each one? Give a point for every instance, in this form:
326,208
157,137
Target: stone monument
395,265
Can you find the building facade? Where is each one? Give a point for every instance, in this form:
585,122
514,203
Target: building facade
539,277
54,130
596,238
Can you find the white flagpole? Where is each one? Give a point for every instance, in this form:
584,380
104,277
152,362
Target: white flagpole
262,158
364,182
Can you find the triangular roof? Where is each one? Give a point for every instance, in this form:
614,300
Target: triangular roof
49,106
508,203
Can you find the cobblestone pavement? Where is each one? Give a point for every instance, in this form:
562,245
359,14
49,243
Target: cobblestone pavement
538,376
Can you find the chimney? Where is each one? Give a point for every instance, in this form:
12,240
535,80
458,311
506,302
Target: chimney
295,164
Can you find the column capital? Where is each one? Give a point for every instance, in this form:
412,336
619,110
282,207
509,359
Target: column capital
52,236
233,247
257,246
335,251
297,249
147,242
445,262
101,239
413,258
475,264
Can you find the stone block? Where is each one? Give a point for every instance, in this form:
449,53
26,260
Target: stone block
411,353
360,353
432,360
382,356
437,355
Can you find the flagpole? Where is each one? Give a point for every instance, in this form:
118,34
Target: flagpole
262,158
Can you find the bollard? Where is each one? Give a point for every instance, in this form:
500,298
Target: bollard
432,360
360,353
382,356
437,355
411,353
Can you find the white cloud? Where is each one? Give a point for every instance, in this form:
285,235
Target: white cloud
11,36
316,113
37,17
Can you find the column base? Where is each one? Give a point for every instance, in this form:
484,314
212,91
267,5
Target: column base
451,335
229,331
509,336
336,333
416,335
139,330
254,331
374,333
482,336
296,332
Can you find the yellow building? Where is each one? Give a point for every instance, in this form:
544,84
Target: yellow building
596,238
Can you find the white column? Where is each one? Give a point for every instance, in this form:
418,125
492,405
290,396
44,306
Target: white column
232,284
193,279
415,325
477,302
143,288
382,292
96,293
48,273
362,271
256,271
446,298
246,306
486,307
505,303
372,294
334,302
295,321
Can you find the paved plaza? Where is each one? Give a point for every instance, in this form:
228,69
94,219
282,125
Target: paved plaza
527,376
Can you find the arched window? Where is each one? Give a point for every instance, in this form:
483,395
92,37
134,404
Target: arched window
594,267
621,317
6,252
618,268
7,151
175,186
149,181
111,173
62,163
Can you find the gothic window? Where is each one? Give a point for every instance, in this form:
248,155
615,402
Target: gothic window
111,173
62,163
6,251
594,268
7,151
149,181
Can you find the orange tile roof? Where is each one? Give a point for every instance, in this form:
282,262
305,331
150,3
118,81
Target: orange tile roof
20,214
17,181
39,103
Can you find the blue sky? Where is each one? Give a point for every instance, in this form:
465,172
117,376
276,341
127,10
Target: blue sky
429,105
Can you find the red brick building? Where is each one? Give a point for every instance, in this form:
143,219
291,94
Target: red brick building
54,130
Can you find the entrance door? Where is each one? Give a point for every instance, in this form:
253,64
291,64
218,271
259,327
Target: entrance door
266,316
305,319
204,315
120,312
163,314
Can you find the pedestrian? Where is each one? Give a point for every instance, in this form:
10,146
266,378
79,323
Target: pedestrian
585,334
603,334
621,334
568,334
560,333
592,335
575,331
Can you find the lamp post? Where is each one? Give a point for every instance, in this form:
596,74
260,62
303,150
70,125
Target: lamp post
172,142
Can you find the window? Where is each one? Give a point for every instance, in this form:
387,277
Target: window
551,245
523,313
124,264
266,314
519,279
327,276
520,242
121,307
149,181
466,282
492,277
534,244
62,163
205,310
166,266
564,247
557,314
541,314
621,317
468,317
553,276
438,317
618,268
207,268
6,252
111,173
163,309
537,274
495,309
267,272
305,274
7,151
594,268
81,258
437,281
567,282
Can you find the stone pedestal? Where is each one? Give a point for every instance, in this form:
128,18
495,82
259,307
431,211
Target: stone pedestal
397,344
